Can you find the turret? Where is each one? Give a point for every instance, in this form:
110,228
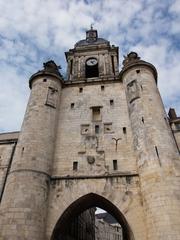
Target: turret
26,190
154,145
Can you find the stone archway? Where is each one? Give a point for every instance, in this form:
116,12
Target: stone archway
85,202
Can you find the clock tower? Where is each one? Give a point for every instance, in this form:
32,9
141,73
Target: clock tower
92,57
99,138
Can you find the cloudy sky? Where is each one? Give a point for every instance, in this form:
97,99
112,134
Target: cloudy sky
34,31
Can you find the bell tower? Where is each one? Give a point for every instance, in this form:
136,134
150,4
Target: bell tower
92,58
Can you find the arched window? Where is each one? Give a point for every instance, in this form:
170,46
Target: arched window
92,68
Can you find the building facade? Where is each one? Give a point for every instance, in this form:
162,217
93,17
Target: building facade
107,228
99,138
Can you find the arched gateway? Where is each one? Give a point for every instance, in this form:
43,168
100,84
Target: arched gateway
98,138
83,203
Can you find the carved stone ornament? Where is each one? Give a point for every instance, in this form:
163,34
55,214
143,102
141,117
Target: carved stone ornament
52,97
51,66
133,91
90,159
131,58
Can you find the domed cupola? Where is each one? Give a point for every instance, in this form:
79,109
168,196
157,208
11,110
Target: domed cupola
91,39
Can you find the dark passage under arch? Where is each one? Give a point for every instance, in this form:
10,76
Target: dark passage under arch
85,202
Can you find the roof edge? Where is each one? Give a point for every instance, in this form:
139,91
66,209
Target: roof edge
139,63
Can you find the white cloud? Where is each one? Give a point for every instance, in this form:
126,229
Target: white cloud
32,31
167,62
13,98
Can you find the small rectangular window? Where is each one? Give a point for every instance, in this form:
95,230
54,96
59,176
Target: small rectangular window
102,88
112,61
96,129
111,102
80,89
96,114
75,166
71,66
124,130
72,105
115,167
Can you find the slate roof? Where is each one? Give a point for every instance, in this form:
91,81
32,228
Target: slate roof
84,42
106,217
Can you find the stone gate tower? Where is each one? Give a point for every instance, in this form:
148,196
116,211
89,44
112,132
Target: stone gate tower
99,138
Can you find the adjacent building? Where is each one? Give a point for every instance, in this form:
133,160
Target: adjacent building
107,227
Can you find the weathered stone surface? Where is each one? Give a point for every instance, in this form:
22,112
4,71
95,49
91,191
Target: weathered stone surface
103,140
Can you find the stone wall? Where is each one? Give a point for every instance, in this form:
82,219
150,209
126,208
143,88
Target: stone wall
76,131
7,147
157,154
122,192
5,156
102,141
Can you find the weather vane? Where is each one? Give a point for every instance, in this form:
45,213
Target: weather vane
92,26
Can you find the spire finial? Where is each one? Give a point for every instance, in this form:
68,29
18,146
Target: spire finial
91,34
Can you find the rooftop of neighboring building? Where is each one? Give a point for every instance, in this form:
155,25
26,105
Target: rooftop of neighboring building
106,217
9,137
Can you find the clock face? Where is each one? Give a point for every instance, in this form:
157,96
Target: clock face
91,62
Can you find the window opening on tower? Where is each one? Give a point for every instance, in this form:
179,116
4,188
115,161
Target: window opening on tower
96,129
96,114
92,68
80,89
111,102
72,105
124,130
112,61
115,166
102,88
75,166
71,66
